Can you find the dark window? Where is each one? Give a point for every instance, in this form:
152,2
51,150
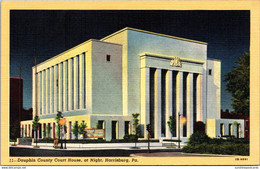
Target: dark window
222,129
210,71
108,58
100,124
114,130
127,127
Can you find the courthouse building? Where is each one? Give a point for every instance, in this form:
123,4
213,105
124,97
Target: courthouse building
131,71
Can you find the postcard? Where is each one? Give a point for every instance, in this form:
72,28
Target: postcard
130,83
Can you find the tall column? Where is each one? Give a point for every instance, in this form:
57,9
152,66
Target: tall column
34,91
39,93
60,87
51,90
168,101
81,81
199,98
145,98
55,85
70,84
86,77
157,103
190,104
204,96
65,86
47,81
76,82
108,124
179,92
43,92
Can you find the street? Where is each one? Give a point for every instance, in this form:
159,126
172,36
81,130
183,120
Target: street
33,152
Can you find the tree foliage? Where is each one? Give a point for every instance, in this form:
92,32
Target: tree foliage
35,126
75,129
36,123
238,84
58,117
171,124
137,127
82,126
48,129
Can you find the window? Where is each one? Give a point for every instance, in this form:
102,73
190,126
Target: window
238,130
100,124
108,58
210,71
222,129
230,129
127,127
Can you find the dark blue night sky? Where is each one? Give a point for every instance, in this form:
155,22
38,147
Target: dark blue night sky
44,34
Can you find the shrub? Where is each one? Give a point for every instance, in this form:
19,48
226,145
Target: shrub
216,141
130,138
12,140
198,138
172,140
230,149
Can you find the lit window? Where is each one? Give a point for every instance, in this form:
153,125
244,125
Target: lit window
108,58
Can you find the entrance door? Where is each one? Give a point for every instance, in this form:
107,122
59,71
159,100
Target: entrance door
114,129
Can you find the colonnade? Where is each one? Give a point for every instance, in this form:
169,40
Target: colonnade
62,87
166,93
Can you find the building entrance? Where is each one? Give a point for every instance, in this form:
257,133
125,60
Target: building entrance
114,129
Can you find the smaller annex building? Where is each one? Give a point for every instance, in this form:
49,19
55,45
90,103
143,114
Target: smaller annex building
103,82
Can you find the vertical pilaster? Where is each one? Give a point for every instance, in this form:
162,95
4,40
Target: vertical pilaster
145,98
204,97
168,101
108,124
199,98
157,103
76,82
39,93
51,90
43,93
47,80
55,86
86,77
60,87
179,92
190,104
81,81
65,86
70,84
34,91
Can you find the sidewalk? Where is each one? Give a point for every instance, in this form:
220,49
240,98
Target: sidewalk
100,146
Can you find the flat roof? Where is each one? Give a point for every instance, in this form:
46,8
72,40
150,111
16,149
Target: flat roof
214,59
159,34
66,51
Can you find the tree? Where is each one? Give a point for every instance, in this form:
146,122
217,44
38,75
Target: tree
48,128
171,124
82,127
75,129
36,125
238,84
137,127
44,132
58,117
